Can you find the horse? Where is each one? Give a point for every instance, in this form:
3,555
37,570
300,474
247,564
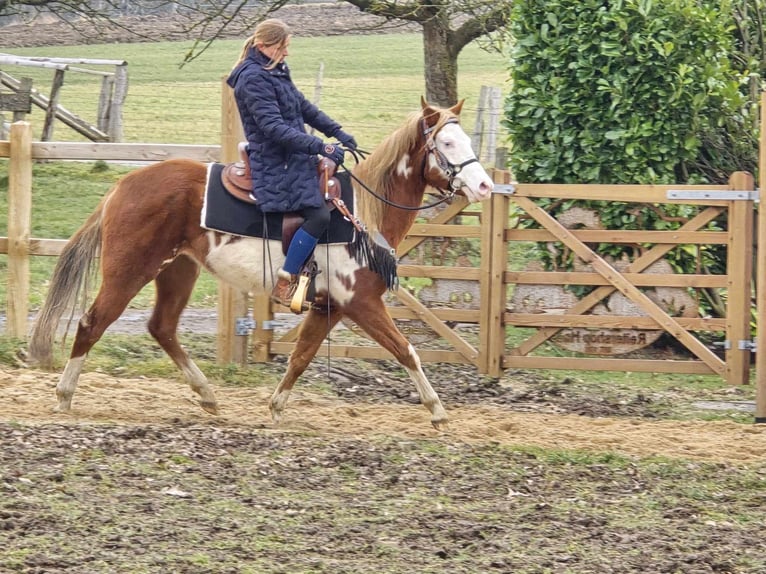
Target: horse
148,228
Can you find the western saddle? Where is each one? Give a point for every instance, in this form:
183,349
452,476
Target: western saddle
238,181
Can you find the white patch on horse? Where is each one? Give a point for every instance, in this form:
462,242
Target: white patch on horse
403,167
68,383
240,263
337,274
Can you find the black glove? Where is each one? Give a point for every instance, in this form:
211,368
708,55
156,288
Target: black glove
347,140
334,152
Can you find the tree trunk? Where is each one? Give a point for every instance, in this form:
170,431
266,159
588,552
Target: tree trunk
440,64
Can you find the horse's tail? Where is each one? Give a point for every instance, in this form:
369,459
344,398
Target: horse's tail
70,280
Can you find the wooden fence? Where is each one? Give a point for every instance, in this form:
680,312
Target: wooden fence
114,89
475,331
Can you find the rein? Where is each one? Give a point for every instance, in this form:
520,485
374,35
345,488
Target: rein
450,170
447,197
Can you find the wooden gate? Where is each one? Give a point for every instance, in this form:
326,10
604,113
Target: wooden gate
735,203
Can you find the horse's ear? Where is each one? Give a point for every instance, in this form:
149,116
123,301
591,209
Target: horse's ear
430,113
457,107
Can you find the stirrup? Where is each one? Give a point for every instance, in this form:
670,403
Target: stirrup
292,293
298,303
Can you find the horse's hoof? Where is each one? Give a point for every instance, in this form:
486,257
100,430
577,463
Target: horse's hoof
441,425
209,407
63,408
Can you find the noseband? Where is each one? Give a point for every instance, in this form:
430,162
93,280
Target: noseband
449,169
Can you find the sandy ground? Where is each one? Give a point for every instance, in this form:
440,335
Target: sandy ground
28,396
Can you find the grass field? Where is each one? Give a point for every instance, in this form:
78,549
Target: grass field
369,84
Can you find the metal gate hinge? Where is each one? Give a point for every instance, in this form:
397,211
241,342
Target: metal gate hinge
744,345
748,345
243,326
504,189
723,194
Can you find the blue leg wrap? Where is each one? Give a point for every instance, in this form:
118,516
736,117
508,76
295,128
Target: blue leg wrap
300,248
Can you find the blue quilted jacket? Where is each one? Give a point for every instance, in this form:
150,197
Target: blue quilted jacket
283,157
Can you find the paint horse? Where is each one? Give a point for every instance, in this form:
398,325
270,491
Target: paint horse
148,228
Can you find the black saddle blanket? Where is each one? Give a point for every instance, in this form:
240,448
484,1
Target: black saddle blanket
221,211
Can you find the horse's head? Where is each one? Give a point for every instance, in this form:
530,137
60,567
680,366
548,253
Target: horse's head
451,163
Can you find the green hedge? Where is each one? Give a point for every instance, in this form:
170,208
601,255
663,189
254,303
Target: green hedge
625,92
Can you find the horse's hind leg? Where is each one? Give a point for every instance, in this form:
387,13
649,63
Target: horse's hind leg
313,330
106,308
174,287
371,315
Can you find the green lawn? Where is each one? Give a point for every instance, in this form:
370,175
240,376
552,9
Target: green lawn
369,84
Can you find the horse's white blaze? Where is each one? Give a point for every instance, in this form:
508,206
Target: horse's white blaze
455,144
403,167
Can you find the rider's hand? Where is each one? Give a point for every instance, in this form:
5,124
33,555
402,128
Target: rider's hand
346,139
334,152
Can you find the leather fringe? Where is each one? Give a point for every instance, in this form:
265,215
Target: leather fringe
377,258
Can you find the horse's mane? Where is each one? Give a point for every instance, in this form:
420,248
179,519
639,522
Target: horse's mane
377,169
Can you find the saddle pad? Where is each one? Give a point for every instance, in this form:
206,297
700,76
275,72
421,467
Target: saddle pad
223,212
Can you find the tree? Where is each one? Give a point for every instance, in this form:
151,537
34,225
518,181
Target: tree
448,26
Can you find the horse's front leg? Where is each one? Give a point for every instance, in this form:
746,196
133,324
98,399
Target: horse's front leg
371,315
312,332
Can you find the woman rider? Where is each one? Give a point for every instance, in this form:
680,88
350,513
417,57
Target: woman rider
283,157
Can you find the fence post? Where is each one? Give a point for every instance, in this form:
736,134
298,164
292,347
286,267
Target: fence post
477,139
494,258
493,126
19,224
105,104
760,295
120,92
53,104
232,348
263,334
739,272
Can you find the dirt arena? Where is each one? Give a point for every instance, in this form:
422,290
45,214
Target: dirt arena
100,399
139,479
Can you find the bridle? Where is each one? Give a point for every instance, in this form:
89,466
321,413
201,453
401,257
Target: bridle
449,169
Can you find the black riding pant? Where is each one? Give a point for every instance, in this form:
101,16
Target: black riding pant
317,220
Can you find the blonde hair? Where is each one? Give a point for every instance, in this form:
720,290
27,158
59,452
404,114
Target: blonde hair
269,32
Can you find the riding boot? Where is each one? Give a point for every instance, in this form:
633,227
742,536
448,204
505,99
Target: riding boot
285,287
